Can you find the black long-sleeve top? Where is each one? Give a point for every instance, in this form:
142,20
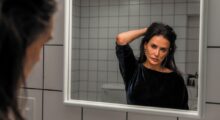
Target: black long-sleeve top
149,87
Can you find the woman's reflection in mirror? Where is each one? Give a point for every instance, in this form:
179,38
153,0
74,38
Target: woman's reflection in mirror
153,79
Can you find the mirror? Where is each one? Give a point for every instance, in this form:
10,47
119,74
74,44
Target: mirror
91,69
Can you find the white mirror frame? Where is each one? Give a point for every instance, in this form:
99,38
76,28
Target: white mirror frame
132,108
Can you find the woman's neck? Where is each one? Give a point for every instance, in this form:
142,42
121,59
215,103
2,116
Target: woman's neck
154,67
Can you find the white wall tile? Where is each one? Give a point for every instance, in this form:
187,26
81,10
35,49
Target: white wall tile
93,22
133,21
112,65
84,3
100,114
145,21
193,8
193,33
83,86
123,10
84,12
92,86
168,9
111,55
102,66
84,75
211,113
113,2
180,56
83,64
58,32
102,54
53,67
134,10
103,32
157,18
180,20
144,1
35,79
169,20
123,21
84,33
93,33
54,108
144,9
192,56
168,1
94,2
181,32
112,32
180,1
103,10
104,2
212,80
75,75
124,2
193,21
213,24
181,44
103,22
102,76
113,10
92,76
156,9
92,96
181,8
93,43
156,1
83,96
93,65
84,54
93,54
113,21
93,11
192,68
112,77
37,96
75,54
137,116
84,43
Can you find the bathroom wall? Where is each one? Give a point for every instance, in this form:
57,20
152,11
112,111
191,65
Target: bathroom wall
45,85
99,21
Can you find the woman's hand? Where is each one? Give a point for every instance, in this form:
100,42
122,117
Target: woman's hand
127,37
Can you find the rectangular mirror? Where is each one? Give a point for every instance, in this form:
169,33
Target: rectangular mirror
91,69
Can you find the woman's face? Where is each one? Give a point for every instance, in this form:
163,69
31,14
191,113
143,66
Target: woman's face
33,51
156,50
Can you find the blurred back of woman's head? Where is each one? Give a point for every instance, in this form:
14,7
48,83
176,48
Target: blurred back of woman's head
21,22
157,29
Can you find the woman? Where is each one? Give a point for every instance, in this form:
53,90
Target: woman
153,80
25,26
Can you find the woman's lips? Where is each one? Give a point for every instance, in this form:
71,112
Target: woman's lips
154,59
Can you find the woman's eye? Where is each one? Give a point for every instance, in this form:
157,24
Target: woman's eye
163,49
153,46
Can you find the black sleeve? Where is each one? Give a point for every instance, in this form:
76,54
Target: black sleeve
127,61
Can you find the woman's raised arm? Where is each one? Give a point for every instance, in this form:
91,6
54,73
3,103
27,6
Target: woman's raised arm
127,37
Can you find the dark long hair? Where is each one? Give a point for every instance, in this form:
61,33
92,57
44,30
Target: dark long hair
167,32
21,22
